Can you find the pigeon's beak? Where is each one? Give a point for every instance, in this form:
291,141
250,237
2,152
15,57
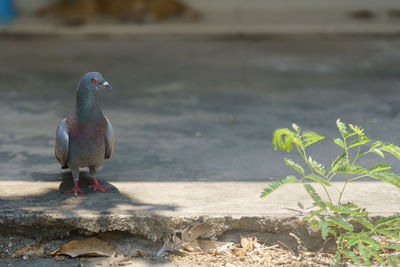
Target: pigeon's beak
106,85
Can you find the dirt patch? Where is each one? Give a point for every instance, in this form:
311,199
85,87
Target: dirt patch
264,255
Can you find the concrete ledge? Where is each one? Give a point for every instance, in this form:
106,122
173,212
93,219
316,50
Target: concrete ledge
194,29
154,210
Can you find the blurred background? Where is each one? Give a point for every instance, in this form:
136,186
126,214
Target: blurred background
199,86
228,12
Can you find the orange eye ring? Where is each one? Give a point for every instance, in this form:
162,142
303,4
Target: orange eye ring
93,80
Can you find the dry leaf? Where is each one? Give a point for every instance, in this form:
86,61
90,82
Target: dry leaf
205,245
244,242
188,241
29,251
198,230
217,245
125,263
185,235
176,241
91,246
247,244
193,246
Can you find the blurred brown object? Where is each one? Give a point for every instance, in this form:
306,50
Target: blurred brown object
362,14
138,10
394,13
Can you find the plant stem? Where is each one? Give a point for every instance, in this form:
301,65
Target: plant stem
347,176
357,156
304,156
358,177
327,193
344,187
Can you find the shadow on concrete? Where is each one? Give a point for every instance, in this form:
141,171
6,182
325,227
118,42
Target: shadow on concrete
65,212
94,201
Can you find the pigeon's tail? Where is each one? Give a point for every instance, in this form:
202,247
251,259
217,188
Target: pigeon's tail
64,167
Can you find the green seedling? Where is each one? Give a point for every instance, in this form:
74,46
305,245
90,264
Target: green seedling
379,239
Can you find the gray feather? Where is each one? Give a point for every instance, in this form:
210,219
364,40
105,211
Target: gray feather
62,143
109,140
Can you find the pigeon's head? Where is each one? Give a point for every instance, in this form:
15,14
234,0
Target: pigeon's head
92,83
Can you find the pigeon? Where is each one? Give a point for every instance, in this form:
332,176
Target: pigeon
85,138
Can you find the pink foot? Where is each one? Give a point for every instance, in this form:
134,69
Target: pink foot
96,186
75,190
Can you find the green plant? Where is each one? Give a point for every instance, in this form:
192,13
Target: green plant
377,239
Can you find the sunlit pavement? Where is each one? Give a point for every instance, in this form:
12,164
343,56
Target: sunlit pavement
193,118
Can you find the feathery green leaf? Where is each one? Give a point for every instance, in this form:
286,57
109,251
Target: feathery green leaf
361,140
342,128
357,130
296,128
339,221
392,149
318,179
364,221
374,252
278,183
377,151
386,176
394,260
290,138
340,209
379,167
376,144
393,246
370,241
339,142
311,138
294,165
316,166
349,254
352,241
323,225
364,253
317,199
352,169
340,161
394,234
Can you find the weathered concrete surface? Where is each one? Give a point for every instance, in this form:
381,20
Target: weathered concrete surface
193,119
252,31
155,210
195,109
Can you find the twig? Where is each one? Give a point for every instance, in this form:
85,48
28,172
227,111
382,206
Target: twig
283,244
271,247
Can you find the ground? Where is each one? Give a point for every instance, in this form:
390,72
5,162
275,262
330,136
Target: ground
193,117
194,109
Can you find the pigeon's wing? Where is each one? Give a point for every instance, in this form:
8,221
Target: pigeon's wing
109,140
62,141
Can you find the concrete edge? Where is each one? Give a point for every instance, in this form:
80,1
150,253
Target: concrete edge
366,29
158,228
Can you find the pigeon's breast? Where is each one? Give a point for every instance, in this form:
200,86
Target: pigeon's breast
87,144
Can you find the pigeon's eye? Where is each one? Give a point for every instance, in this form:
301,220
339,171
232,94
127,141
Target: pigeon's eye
94,80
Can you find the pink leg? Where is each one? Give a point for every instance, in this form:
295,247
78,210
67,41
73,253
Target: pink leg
75,189
96,186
